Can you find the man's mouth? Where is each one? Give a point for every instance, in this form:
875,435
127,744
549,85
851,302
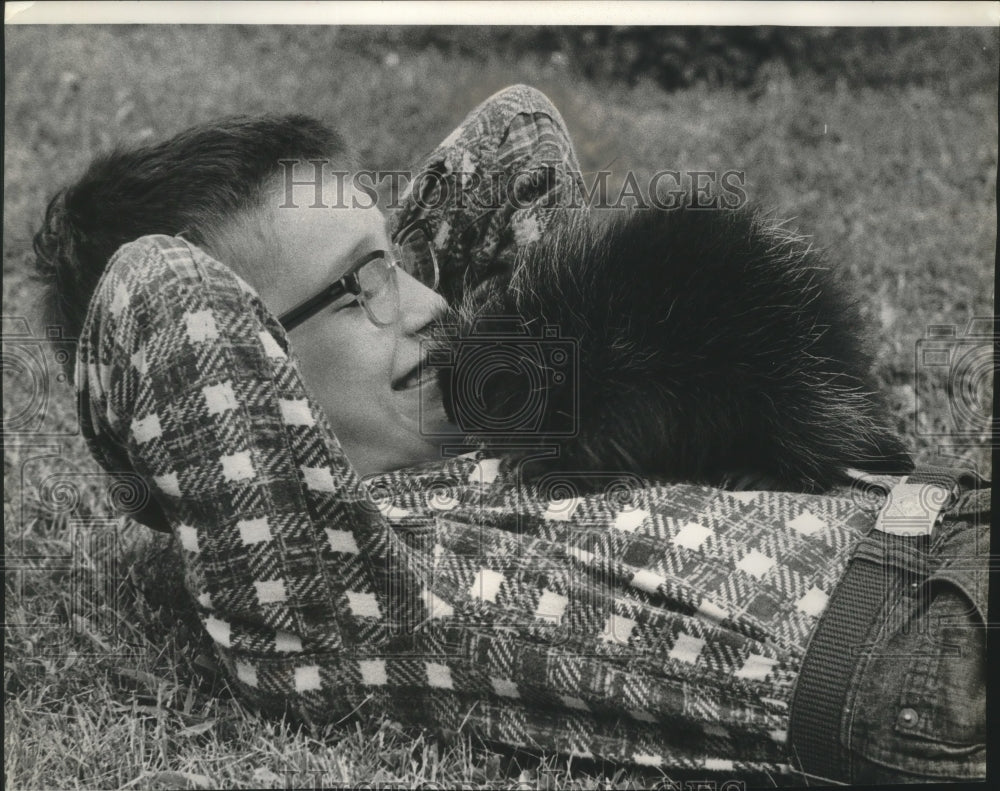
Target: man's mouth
419,375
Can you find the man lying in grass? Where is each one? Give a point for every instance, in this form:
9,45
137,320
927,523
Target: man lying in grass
258,360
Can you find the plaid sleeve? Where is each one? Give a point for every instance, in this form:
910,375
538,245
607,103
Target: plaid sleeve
187,380
493,185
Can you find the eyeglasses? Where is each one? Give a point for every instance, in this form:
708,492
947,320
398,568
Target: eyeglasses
372,280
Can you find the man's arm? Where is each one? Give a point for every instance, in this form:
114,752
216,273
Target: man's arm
186,379
491,187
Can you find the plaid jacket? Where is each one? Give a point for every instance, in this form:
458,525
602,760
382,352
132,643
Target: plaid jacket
653,623
656,623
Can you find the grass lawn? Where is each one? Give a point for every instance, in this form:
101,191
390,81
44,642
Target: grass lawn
107,684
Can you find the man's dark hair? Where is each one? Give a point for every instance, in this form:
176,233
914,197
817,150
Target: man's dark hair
194,183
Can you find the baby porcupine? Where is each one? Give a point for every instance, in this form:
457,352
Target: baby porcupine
709,343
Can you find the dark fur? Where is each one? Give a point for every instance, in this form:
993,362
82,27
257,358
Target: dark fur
711,343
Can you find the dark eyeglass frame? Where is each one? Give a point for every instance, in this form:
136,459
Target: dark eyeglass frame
349,284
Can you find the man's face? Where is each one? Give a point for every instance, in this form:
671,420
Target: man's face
356,371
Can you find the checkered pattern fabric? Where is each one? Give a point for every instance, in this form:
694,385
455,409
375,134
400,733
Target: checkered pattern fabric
652,623
659,624
490,187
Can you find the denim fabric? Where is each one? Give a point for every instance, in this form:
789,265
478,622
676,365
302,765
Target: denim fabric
917,707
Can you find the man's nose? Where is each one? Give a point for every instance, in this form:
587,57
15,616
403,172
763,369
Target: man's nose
418,305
